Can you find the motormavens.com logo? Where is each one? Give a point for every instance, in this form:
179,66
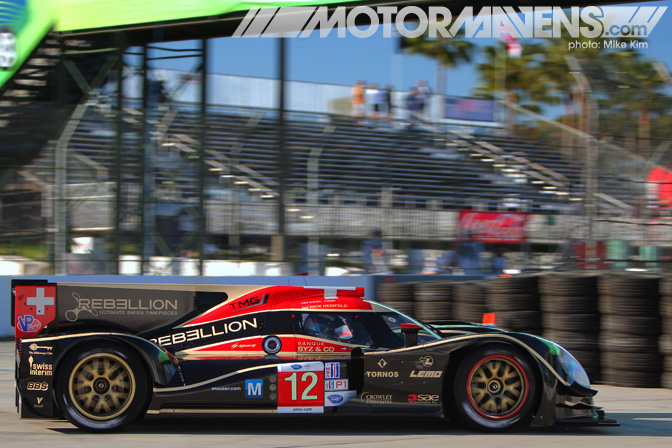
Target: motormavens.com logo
439,21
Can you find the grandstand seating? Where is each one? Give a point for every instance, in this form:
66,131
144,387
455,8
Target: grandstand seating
356,162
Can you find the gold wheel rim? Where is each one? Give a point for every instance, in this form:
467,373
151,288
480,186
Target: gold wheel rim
497,387
102,386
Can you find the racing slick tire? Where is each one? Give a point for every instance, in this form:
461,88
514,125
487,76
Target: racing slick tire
494,388
102,388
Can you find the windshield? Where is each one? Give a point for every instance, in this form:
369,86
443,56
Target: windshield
393,319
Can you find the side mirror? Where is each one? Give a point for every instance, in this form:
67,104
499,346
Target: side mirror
410,332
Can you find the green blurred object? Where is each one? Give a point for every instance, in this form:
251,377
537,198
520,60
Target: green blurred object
649,253
618,250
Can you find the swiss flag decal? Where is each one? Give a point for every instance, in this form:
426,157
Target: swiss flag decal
35,308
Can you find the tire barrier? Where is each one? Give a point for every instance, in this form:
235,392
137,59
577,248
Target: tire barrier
433,300
665,340
399,296
617,325
469,301
515,301
570,314
630,323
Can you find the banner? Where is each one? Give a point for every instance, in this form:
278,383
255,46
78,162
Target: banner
475,109
492,227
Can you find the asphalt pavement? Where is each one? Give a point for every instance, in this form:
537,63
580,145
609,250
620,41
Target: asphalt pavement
645,417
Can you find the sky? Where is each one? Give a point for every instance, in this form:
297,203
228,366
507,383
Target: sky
334,60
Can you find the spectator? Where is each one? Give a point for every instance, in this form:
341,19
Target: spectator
470,255
498,261
380,103
424,95
374,254
357,98
448,261
371,99
411,103
388,101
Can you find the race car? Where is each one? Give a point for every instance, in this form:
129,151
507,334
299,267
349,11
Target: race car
105,355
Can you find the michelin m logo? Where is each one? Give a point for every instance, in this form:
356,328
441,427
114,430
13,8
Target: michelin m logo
254,388
438,21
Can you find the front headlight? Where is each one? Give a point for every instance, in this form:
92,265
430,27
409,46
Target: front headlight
572,369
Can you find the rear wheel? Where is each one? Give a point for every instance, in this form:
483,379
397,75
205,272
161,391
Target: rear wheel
494,388
102,389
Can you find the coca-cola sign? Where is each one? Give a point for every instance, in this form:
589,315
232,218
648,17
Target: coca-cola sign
493,227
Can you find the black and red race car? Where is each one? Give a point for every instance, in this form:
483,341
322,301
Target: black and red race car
104,355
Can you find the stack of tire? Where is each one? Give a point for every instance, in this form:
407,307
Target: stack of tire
570,316
515,302
433,300
469,301
398,296
629,305
665,341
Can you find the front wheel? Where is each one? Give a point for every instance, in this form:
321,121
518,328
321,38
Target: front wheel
494,388
102,389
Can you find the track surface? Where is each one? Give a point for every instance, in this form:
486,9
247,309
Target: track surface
645,417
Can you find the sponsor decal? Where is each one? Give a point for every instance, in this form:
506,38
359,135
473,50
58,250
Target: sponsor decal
330,385
120,306
38,349
423,398
335,399
332,370
296,366
207,331
137,309
382,363
382,374
239,345
427,361
227,389
35,308
254,388
426,373
28,324
248,303
37,386
39,403
39,369
339,398
370,398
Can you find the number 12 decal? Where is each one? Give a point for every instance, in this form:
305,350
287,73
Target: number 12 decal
301,388
305,377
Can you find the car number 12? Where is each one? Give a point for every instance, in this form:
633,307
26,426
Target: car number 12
310,377
301,390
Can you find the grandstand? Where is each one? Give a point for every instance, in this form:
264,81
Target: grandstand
337,162
73,164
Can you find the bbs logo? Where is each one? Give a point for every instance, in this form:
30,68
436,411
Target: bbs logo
37,386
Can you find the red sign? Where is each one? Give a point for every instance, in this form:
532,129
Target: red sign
493,227
35,308
301,388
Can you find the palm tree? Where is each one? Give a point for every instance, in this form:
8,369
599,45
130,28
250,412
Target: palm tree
448,52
